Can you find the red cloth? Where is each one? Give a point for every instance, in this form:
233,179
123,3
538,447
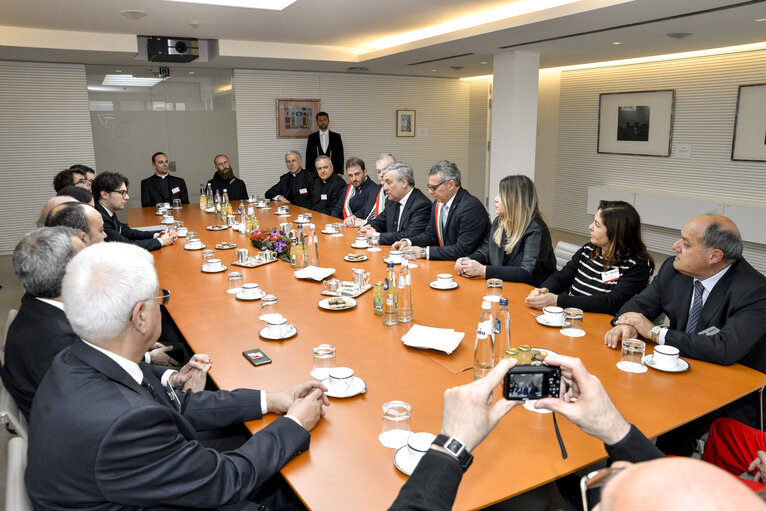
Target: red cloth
732,446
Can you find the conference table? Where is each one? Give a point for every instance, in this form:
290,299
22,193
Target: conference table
346,467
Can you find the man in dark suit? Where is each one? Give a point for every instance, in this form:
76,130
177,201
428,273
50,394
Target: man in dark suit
458,224
111,192
376,204
355,198
407,210
716,304
161,186
79,216
327,188
324,142
107,433
294,186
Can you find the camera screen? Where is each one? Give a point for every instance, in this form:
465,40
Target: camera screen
529,386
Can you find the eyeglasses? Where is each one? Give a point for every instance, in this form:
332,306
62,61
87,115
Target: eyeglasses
163,299
592,485
80,181
124,193
434,187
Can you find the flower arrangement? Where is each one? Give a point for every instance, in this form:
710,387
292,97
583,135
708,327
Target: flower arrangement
272,239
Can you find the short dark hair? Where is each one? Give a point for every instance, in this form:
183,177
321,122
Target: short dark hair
69,214
107,182
157,154
65,178
355,162
81,194
82,168
322,113
727,241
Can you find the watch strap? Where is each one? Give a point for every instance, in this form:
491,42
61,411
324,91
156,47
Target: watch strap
456,449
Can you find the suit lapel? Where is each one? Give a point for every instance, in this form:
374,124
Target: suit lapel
715,299
104,365
450,237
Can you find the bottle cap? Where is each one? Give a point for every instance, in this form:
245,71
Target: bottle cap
486,305
504,302
390,265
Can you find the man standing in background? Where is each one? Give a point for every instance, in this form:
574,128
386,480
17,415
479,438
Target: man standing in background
324,143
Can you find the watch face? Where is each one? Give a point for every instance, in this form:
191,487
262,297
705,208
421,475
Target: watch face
454,446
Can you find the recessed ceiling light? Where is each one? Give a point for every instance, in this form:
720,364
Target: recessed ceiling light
130,81
434,70
191,72
761,19
272,5
483,61
133,14
118,70
616,43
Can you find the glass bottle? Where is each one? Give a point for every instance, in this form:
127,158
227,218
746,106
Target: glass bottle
312,249
300,246
502,330
378,295
225,206
484,349
404,304
217,201
209,196
390,312
202,197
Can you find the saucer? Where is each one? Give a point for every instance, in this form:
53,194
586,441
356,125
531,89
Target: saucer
358,386
226,245
404,461
240,296
435,285
374,249
324,231
681,365
181,235
529,404
320,373
388,260
546,322
302,221
222,268
354,245
266,335
195,248
571,332
337,235
357,258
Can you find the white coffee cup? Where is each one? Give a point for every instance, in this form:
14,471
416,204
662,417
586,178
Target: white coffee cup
361,242
194,243
249,290
553,314
665,357
277,326
213,265
340,379
444,280
168,219
182,232
329,228
418,444
395,256
301,218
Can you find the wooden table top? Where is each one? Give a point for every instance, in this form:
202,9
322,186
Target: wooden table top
346,466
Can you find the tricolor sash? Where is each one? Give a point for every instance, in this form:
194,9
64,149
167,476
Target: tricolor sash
380,202
350,191
438,217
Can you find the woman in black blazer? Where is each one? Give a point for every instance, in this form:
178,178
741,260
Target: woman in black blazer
518,247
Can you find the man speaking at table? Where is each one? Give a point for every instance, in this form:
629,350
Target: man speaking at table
106,434
716,304
459,223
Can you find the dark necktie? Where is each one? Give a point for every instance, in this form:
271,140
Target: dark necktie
395,212
169,391
696,310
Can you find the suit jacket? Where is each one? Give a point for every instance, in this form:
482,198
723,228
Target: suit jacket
325,194
334,151
414,218
467,226
432,485
359,203
531,261
117,231
730,329
99,441
154,189
39,332
296,189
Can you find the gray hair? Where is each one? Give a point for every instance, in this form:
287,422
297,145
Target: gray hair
446,170
401,171
101,286
296,153
70,214
386,157
40,258
323,157
729,242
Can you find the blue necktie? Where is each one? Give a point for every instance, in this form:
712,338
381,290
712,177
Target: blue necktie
696,310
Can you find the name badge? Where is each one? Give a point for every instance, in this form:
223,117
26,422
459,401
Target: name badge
175,190
611,275
302,191
323,196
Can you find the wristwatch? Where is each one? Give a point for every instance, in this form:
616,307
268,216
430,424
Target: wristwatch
656,333
456,449
422,251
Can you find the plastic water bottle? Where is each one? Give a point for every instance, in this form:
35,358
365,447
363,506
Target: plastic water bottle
484,349
502,330
405,294
202,197
390,310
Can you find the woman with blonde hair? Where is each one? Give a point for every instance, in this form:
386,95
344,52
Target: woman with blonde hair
518,247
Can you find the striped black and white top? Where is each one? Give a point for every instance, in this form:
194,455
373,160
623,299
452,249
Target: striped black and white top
589,286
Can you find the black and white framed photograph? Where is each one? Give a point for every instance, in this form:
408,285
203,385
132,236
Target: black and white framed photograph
636,122
749,142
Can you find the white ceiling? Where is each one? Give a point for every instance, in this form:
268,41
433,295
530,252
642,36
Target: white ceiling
333,35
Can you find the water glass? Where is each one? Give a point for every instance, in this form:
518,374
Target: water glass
632,356
269,306
324,360
176,203
373,241
207,254
573,322
396,424
235,282
494,290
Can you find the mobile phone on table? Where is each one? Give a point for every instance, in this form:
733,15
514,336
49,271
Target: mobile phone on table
524,382
256,357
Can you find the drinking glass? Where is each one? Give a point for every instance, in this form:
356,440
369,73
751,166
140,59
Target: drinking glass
207,254
396,424
632,356
573,322
373,241
494,290
176,203
235,282
269,306
324,360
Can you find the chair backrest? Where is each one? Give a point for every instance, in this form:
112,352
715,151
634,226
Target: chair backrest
11,416
16,496
564,252
11,315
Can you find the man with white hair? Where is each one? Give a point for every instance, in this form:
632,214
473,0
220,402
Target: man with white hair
105,433
294,186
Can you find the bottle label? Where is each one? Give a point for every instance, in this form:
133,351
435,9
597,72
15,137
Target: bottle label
497,326
385,284
401,282
481,332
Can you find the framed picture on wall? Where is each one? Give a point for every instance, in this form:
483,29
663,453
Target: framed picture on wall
296,117
636,122
405,123
749,142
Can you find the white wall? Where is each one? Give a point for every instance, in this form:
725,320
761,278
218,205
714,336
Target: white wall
362,109
44,128
706,97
